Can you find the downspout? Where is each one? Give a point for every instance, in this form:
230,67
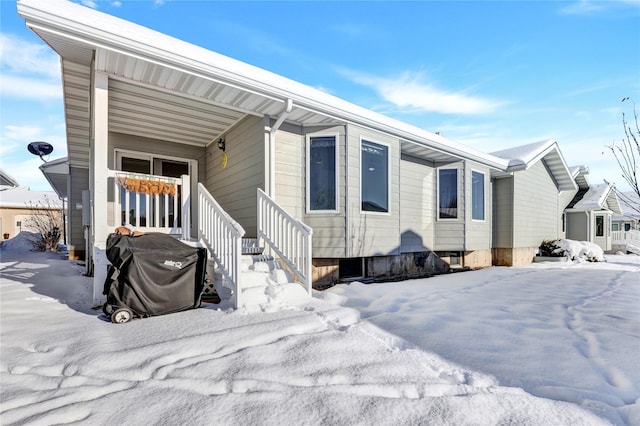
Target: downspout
272,147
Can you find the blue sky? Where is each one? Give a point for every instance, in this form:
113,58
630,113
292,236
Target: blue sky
491,75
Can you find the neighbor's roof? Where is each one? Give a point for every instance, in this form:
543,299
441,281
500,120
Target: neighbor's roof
56,172
22,197
579,174
599,197
524,156
181,78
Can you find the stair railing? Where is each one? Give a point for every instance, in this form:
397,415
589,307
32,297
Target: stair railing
223,237
288,237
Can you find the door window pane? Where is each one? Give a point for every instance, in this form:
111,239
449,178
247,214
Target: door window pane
599,226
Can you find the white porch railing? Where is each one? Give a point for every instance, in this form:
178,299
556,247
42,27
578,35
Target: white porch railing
223,237
626,237
288,237
151,203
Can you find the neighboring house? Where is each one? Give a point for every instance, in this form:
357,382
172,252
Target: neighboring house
629,219
529,201
588,215
166,136
18,205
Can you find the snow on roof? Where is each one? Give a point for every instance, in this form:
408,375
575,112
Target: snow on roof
524,156
579,174
598,197
22,197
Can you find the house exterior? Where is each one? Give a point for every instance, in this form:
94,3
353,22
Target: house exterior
169,137
589,215
18,205
529,201
629,219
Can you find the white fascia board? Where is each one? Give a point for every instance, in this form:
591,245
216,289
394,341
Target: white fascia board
98,29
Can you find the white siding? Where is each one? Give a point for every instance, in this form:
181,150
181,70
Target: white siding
417,205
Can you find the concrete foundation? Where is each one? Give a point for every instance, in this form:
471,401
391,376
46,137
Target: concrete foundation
513,256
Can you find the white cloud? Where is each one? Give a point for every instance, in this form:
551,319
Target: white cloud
21,56
30,88
409,90
588,7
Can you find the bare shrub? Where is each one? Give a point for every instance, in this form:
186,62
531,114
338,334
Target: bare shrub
46,219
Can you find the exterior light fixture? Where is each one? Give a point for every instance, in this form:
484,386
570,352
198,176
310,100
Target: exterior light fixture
221,144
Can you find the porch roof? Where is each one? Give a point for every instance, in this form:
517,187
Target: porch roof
56,173
599,197
163,87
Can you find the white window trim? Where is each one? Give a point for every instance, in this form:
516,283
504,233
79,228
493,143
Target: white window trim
484,205
446,219
336,136
388,146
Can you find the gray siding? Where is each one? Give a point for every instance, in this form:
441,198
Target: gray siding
577,226
536,207
329,237
371,234
503,212
564,199
79,181
417,205
450,233
235,186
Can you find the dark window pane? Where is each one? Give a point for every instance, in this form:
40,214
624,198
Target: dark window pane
322,173
599,226
448,193
375,177
477,195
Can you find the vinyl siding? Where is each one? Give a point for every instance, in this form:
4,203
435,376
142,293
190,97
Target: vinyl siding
417,205
477,232
329,229
503,212
536,207
235,186
79,181
450,233
371,234
577,226
564,199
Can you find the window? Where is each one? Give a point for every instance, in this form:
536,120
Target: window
615,226
448,193
321,178
374,177
599,226
477,196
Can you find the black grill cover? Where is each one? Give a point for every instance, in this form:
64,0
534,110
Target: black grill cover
156,274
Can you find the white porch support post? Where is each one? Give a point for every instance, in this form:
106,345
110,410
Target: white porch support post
98,166
271,189
186,207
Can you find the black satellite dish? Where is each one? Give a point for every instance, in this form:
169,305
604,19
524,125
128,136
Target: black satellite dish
40,149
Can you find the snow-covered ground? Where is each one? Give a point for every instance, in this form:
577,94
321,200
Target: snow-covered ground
451,350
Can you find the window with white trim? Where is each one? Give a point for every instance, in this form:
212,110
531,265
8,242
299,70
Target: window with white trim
599,226
322,190
447,193
477,195
374,166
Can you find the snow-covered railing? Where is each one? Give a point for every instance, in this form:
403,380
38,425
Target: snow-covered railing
223,237
626,237
288,237
151,203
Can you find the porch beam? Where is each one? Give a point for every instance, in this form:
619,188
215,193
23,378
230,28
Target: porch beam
272,148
